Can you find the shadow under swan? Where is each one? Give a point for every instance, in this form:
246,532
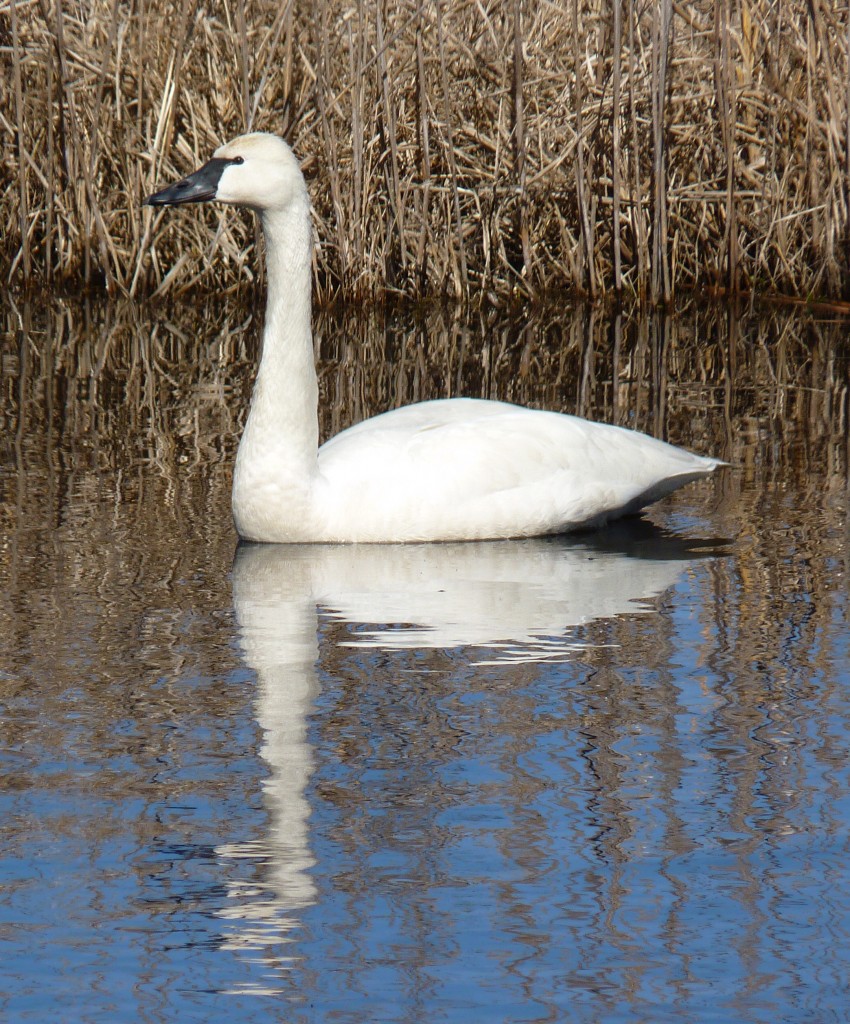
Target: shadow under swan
511,600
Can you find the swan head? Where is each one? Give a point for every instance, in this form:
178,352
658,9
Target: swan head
258,170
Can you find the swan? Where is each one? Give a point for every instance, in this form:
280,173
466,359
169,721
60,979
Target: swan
443,470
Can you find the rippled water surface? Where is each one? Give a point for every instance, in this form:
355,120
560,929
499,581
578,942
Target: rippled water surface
592,779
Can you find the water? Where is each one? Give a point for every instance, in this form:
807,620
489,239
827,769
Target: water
592,779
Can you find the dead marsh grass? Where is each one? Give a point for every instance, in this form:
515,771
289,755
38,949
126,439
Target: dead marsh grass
474,149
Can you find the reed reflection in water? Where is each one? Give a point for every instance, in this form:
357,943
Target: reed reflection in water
592,778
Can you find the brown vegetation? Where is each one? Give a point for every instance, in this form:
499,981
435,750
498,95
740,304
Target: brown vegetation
475,148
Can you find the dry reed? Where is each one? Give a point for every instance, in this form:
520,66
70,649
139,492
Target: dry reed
477,149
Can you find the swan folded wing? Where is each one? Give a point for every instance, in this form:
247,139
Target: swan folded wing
458,449
467,469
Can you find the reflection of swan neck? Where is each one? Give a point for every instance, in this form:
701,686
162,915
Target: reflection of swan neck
278,627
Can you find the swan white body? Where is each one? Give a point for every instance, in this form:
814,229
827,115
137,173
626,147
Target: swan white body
456,469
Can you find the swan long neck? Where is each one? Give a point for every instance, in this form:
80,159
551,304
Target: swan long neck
283,421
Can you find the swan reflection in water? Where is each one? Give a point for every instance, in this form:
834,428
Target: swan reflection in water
510,601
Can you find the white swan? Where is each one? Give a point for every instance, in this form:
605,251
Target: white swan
454,469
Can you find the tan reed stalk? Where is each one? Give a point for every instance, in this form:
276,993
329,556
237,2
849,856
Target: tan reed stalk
726,107
581,182
23,210
357,188
661,282
52,183
615,140
847,119
461,279
424,125
387,129
243,64
519,140
639,230
328,130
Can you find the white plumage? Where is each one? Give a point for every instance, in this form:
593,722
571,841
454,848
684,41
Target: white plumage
455,469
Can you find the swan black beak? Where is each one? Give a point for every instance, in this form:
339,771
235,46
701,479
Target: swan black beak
197,188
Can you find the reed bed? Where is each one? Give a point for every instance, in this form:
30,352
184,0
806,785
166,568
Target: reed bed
477,150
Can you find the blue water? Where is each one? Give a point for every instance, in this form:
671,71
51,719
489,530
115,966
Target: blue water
599,779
